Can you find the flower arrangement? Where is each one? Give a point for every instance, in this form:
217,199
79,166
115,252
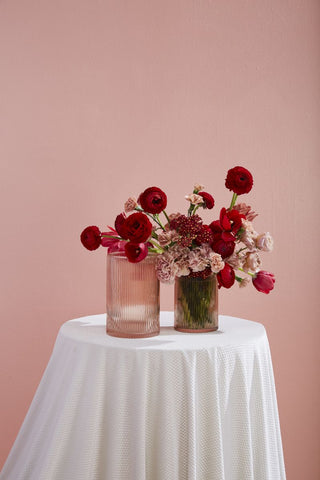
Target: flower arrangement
186,247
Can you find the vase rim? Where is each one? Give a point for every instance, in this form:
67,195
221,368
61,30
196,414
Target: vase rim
123,255
196,278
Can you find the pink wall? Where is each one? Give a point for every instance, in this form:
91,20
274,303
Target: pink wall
100,99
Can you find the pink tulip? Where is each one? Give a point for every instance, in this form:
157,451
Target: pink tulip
264,281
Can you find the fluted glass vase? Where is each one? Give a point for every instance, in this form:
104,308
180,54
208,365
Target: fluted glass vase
196,304
133,300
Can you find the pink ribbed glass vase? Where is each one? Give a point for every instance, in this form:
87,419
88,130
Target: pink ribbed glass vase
133,300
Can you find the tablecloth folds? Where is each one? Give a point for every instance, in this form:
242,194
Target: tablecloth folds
173,407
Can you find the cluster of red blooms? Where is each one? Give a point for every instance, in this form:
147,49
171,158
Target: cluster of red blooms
133,235
225,232
206,273
188,228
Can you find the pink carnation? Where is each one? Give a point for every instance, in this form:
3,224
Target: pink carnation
130,204
168,236
197,262
165,268
246,210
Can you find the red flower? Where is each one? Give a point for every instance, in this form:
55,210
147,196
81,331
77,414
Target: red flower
153,200
208,200
120,227
137,227
215,226
226,277
231,221
91,238
135,252
204,236
187,227
264,281
224,244
239,180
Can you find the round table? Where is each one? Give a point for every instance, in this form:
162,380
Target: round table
178,406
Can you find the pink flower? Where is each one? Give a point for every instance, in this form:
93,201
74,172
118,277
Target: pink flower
252,262
216,262
264,281
168,236
235,261
244,282
198,187
245,209
264,242
248,235
181,267
194,199
197,262
130,204
165,268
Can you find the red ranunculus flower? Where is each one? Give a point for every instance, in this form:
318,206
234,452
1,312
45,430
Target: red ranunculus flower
208,200
215,226
231,221
137,227
91,238
264,281
120,225
239,180
135,252
153,200
224,244
226,277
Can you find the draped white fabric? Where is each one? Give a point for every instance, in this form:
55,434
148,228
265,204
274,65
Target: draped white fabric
177,406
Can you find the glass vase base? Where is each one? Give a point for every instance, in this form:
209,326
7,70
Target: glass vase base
196,330
130,329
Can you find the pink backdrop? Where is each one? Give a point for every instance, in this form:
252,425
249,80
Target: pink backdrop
100,99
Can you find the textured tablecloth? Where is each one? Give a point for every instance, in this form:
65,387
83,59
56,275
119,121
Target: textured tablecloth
177,406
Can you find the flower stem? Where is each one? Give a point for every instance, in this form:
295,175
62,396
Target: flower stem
157,246
233,201
165,214
248,273
111,236
155,250
153,217
241,250
190,210
195,209
157,219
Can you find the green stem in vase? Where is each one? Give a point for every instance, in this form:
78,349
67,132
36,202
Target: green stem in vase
195,299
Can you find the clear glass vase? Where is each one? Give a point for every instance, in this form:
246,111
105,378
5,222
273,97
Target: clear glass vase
133,299
196,304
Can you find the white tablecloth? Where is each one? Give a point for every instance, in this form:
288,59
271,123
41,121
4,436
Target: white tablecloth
177,406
